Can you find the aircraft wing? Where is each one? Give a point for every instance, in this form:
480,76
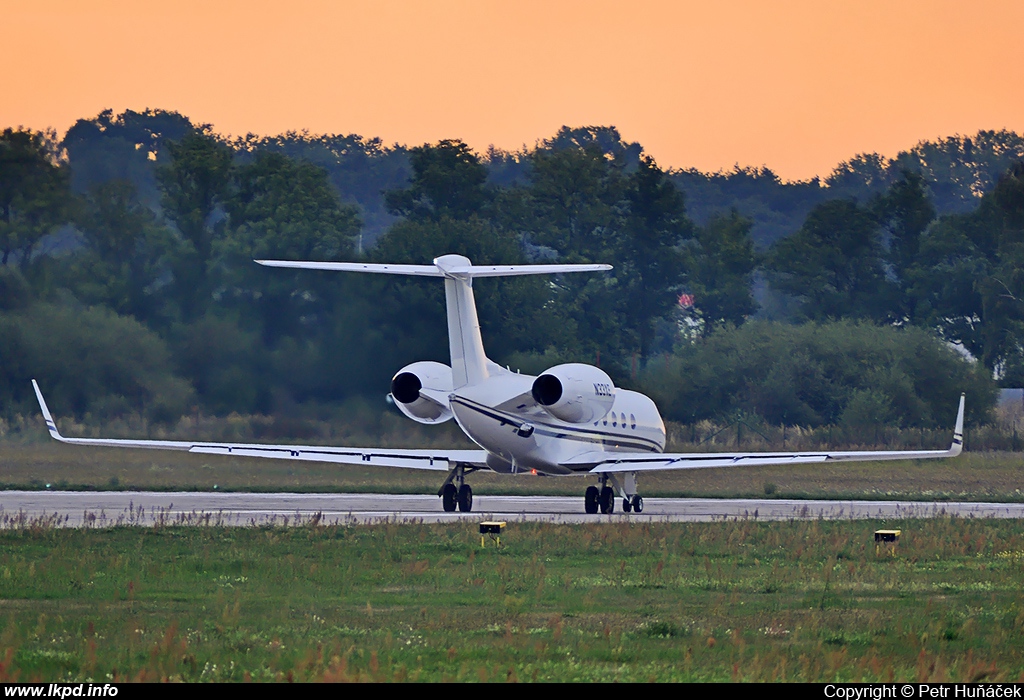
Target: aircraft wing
611,462
437,460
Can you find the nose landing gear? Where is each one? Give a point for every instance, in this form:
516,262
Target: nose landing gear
448,496
634,503
465,498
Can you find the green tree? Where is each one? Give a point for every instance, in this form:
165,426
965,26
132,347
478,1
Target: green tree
576,196
35,195
834,264
605,139
1003,291
228,365
942,287
967,280
128,146
361,170
864,174
195,185
283,209
448,181
959,170
652,264
124,247
721,270
905,211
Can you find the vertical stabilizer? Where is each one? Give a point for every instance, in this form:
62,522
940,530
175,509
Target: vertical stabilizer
469,363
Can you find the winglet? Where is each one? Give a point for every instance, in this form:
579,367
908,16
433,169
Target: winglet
50,424
958,432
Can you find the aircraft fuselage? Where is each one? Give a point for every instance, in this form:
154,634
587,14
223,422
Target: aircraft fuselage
523,436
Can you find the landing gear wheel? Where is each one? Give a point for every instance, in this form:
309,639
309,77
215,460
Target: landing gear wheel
607,500
448,495
590,500
625,505
465,498
638,504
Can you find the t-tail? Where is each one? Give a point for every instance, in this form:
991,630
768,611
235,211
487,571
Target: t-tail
469,362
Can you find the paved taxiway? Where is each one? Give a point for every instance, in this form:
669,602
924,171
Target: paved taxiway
98,509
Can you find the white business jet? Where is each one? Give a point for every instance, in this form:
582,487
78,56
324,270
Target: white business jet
569,420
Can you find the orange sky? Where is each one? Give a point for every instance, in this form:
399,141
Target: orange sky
795,85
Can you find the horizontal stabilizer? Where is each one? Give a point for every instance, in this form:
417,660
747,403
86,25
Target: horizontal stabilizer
469,362
417,270
450,266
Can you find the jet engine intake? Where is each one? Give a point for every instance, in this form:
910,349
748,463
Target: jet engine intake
421,390
575,393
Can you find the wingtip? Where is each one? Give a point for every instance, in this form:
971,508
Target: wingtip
958,430
51,425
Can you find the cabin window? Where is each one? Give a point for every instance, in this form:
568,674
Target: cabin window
615,420
632,421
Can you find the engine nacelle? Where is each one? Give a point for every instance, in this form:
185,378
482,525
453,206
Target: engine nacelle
575,393
421,390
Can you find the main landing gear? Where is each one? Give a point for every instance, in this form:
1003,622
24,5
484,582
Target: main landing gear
455,492
594,499
603,498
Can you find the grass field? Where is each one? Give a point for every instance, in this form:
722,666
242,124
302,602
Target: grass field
797,601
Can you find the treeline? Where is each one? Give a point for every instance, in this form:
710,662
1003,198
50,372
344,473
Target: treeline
127,280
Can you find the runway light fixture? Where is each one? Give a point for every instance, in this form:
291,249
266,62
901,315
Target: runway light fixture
887,539
492,528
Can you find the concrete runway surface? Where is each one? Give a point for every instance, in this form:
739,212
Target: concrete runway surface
99,509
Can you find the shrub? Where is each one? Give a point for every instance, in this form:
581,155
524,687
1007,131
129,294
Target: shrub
819,374
88,360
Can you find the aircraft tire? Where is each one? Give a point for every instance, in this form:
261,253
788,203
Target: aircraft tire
625,505
448,498
607,500
590,500
465,498
638,504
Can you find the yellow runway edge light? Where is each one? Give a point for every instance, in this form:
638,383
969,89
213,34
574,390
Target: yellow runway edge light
492,528
888,539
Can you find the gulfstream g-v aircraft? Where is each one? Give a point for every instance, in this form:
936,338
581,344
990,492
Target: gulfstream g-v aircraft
570,420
